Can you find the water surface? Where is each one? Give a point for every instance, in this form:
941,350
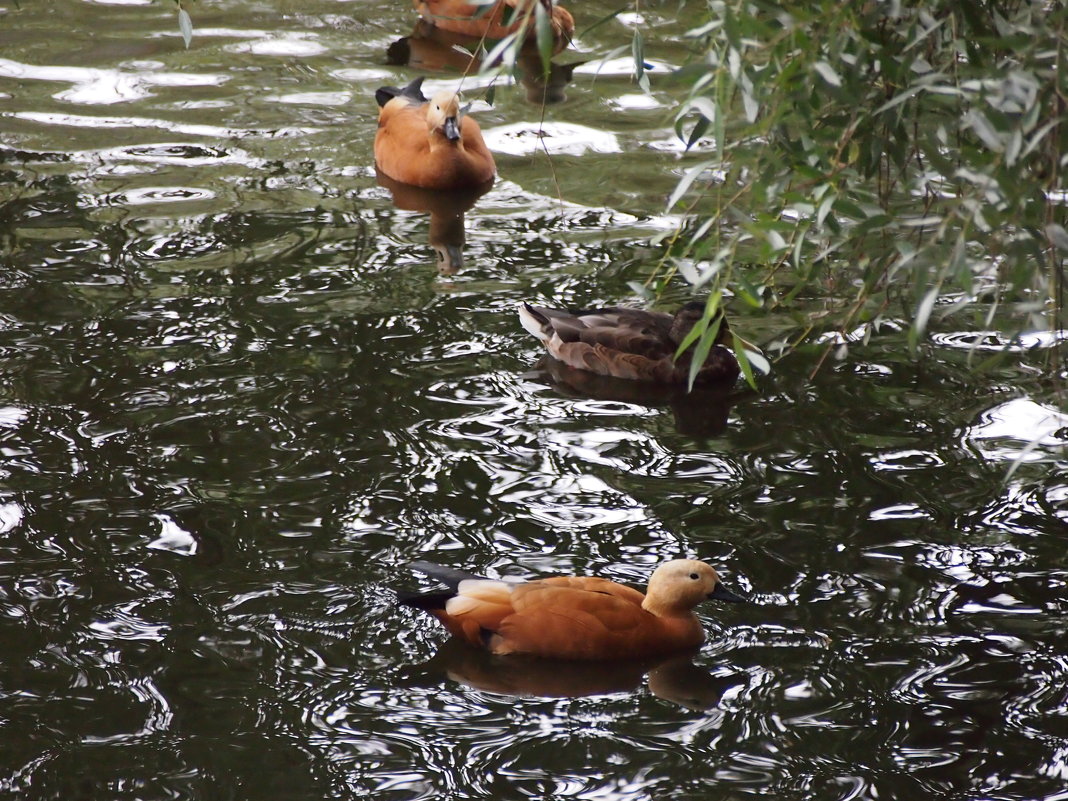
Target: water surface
237,397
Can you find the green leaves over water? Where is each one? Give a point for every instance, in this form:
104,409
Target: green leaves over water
896,159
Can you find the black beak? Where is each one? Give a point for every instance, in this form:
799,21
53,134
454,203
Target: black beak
452,129
450,258
721,593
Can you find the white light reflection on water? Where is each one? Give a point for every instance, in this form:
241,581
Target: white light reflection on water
93,86
558,138
288,45
1021,420
212,131
992,341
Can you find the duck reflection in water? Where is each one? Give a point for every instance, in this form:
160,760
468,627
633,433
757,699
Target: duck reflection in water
432,49
676,679
703,412
446,209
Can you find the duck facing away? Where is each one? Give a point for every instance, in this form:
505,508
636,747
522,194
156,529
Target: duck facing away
630,343
503,18
575,617
425,142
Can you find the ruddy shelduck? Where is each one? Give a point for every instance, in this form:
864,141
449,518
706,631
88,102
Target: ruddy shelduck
503,18
630,343
428,143
575,617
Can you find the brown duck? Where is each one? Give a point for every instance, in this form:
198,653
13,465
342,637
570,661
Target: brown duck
427,142
505,17
575,617
630,343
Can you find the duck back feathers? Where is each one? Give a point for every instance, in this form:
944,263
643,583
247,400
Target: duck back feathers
629,343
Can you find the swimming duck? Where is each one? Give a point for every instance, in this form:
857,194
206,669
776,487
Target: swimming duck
427,143
630,343
431,49
574,617
504,18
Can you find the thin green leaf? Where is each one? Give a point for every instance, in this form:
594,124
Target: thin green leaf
756,358
1058,236
1022,455
544,37
828,73
699,130
980,123
685,182
637,49
825,208
500,52
601,21
185,25
700,352
742,356
898,99
923,313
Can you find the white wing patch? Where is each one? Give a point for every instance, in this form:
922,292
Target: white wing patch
474,594
531,323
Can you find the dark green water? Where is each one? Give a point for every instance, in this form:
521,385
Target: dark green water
237,397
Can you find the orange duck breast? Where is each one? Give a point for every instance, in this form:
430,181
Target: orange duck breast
427,143
573,617
503,18
630,343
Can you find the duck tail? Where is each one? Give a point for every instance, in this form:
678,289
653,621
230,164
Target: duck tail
412,91
434,601
534,320
427,601
448,576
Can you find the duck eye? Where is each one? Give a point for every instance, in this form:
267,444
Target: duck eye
694,576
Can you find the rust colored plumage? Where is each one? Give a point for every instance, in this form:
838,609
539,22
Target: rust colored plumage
427,143
503,18
574,617
630,343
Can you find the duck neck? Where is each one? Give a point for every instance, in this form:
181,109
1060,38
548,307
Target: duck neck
660,608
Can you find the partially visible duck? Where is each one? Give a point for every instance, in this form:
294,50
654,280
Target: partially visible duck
575,617
431,49
503,18
427,143
630,343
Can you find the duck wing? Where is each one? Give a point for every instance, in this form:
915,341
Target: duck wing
624,343
552,619
617,328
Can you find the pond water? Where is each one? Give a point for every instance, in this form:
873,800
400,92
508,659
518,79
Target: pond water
237,397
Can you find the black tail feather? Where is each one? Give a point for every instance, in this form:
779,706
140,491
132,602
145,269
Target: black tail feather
412,91
448,576
427,601
435,600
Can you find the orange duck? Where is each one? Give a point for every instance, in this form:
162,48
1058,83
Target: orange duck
427,143
630,343
497,21
573,617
